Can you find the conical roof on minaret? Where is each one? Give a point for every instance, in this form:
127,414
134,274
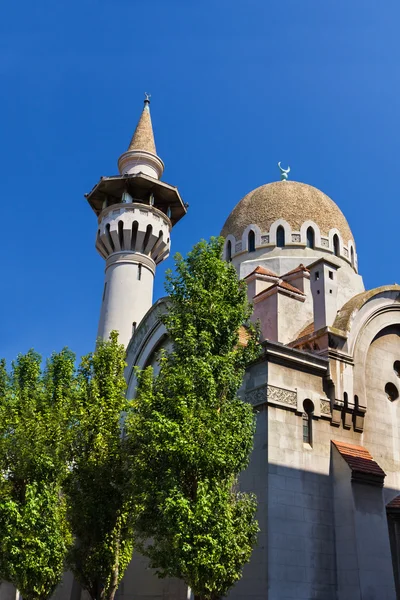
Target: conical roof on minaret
143,138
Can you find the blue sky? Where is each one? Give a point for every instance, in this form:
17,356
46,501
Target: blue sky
236,87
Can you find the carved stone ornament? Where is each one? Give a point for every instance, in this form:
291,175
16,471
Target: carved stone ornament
345,252
296,237
325,242
325,407
265,239
238,247
282,396
257,396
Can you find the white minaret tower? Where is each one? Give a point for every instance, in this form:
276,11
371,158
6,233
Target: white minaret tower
136,212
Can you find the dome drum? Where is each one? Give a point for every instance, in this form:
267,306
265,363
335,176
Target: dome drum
288,214
293,239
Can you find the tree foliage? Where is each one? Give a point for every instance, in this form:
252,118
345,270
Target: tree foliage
34,447
191,434
100,505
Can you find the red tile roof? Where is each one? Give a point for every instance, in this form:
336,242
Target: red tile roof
262,271
282,285
361,463
308,330
395,503
298,269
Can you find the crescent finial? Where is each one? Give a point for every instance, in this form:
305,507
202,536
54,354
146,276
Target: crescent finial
284,172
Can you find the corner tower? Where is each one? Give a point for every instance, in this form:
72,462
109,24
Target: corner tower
136,212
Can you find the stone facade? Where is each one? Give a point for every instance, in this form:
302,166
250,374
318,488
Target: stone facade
326,460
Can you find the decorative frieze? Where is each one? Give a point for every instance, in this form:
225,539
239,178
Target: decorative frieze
325,407
272,394
282,396
257,396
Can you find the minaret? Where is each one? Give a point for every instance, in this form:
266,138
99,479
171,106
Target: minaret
136,212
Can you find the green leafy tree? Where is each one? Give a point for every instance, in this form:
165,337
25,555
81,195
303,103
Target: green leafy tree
98,492
35,410
191,434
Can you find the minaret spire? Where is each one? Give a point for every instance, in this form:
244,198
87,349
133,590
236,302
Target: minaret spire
135,214
141,156
143,138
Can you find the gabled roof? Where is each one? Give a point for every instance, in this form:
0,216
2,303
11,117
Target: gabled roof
362,465
262,271
283,285
299,269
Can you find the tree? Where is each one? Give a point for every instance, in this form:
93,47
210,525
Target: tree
34,445
100,505
191,435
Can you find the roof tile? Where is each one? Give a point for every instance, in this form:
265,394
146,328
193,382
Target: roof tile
360,462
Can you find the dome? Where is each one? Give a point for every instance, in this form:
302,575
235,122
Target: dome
292,201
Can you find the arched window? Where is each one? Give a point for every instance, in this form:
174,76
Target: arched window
308,408
229,251
352,256
336,248
121,234
310,237
280,237
251,242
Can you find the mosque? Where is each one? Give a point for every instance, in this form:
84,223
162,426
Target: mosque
326,460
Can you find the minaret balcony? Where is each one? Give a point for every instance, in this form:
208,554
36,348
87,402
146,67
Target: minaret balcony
143,189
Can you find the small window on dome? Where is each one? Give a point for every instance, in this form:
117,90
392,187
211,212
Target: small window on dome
352,256
229,251
251,241
336,248
280,237
310,238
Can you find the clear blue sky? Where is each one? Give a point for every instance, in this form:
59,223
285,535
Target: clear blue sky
236,86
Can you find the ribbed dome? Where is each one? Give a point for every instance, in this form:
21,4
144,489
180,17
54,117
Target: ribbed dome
290,200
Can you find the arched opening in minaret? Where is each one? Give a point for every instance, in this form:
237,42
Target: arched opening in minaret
352,256
228,251
100,245
109,238
149,230
310,238
251,241
121,234
135,226
280,237
336,247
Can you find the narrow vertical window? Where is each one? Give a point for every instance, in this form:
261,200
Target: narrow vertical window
352,257
133,327
139,271
229,251
310,238
308,408
104,291
251,242
336,248
280,237
121,234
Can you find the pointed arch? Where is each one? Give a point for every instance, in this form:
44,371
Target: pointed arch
251,241
336,245
280,237
228,251
310,237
